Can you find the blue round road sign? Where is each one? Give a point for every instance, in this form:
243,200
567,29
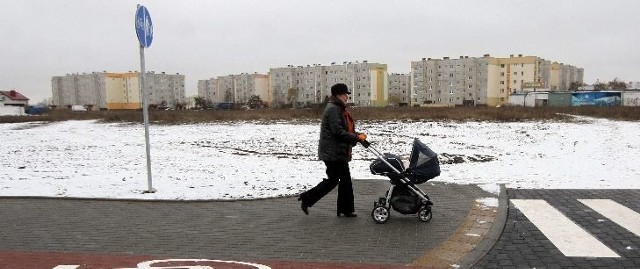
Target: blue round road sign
144,27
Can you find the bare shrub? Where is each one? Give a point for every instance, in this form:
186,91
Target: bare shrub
500,114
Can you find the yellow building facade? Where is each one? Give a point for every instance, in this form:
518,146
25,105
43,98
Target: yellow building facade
123,91
486,80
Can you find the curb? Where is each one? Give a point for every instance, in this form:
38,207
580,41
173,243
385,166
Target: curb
492,236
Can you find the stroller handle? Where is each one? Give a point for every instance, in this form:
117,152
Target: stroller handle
365,143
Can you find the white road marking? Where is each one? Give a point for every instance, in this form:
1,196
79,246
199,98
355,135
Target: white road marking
567,236
617,213
66,267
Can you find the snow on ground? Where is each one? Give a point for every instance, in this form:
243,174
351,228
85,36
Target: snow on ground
267,159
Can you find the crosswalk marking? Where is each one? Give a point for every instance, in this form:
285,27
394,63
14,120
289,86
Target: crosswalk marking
617,213
567,236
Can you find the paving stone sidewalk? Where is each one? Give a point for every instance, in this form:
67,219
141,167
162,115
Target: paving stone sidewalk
249,230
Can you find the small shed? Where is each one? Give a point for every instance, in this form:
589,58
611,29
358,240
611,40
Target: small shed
529,99
631,98
559,99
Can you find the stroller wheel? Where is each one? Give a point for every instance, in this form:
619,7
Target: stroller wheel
425,214
380,214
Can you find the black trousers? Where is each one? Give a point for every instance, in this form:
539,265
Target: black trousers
338,174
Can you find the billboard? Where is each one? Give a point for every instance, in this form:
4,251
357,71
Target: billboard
596,99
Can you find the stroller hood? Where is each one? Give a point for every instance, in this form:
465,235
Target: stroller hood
423,163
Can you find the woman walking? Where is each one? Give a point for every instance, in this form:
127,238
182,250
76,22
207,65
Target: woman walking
337,137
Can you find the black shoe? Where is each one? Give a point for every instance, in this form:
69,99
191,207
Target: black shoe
304,206
348,215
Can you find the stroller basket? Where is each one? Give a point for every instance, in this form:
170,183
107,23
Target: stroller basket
423,165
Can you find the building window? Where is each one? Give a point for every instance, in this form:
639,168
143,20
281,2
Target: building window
502,82
502,66
502,74
451,91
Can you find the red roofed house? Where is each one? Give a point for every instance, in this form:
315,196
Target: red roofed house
13,98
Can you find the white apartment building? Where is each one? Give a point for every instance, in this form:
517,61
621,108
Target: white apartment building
485,80
105,90
399,89
235,88
449,82
311,85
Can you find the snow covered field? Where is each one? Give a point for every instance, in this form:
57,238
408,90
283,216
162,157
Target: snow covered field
260,159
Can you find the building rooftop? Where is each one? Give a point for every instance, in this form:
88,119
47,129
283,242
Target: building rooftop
14,95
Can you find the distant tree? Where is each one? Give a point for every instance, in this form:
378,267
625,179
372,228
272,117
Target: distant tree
200,102
574,86
181,106
599,86
617,85
292,96
228,96
394,99
255,102
325,101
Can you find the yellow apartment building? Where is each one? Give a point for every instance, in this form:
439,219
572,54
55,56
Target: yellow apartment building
109,90
486,80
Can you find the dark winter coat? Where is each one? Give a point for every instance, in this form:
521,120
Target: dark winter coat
336,140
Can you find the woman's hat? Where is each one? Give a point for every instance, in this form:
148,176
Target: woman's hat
339,88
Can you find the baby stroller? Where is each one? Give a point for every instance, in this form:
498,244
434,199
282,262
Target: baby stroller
403,194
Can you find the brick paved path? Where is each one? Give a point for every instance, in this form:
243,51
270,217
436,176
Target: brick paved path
523,245
273,230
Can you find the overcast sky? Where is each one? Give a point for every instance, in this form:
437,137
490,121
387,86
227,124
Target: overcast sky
208,38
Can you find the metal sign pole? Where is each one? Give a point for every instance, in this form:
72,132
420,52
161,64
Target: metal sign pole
145,113
144,31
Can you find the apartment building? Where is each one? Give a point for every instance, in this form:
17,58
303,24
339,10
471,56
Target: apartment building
311,84
486,80
79,89
106,90
235,88
399,89
449,82
208,89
